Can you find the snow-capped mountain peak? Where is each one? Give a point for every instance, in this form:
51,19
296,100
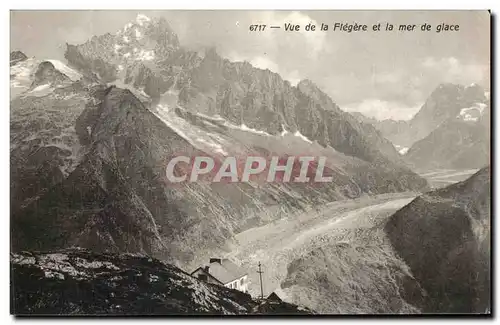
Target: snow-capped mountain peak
142,19
473,113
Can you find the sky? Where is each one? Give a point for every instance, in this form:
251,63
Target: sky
383,74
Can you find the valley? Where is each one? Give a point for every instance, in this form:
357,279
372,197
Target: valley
278,244
443,177
401,225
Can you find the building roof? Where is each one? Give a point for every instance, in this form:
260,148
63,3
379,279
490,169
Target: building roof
202,269
226,271
274,297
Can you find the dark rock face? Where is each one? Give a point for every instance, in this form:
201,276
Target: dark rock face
46,73
451,130
455,144
207,83
16,57
459,135
444,237
261,99
361,275
443,104
44,145
140,55
81,282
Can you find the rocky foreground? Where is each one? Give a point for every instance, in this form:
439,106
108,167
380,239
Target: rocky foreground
80,282
444,237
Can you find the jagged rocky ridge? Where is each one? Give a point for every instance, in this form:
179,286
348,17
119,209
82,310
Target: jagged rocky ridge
444,237
459,143
80,282
443,104
147,55
450,131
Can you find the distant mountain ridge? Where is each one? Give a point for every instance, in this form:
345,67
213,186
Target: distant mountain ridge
451,130
142,57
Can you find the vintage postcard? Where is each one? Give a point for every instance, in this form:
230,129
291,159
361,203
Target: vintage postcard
250,162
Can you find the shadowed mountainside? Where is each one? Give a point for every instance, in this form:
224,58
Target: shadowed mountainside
444,237
79,282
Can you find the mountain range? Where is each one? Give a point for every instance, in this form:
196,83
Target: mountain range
451,130
92,210
90,141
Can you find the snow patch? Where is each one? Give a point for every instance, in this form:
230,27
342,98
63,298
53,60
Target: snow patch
126,55
142,19
41,87
143,93
72,74
20,73
300,135
138,34
145,55
472,114
284,132
52,274
127,26
126,39
197,137
245,128
404,150
216,117
216,146
117,48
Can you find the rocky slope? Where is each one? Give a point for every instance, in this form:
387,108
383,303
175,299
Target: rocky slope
443,104
431,256
17,56
458,143
390,129
351,268
146,55
451,130
444,238
79,282
117,198
44,147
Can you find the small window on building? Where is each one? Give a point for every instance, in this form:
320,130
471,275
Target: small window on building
236,284
242,281
202,277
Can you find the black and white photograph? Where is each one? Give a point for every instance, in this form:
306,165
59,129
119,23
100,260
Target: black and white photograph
250,162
